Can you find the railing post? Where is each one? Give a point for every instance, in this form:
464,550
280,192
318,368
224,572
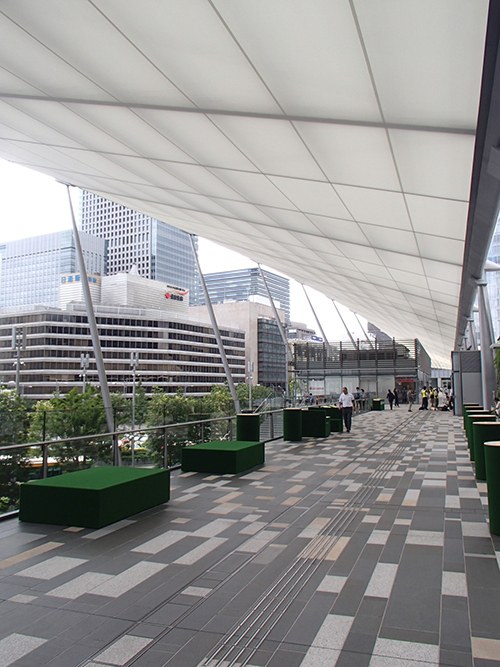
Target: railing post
230,428
116,451
45,461
202,432
165,449
272,424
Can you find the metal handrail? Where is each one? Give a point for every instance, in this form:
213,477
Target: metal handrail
122,432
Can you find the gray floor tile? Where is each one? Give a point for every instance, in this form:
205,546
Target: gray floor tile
259,591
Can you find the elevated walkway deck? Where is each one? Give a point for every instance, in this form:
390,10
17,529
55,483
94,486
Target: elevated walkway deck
365,549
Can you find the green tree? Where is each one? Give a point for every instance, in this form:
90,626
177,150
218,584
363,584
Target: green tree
141,405
497,367
69,416
219,402
172,409
75,415
14,420
15,468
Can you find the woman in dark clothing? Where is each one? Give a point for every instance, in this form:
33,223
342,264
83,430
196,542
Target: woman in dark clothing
396,398
390,397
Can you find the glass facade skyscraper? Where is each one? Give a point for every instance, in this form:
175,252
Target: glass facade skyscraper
159,251
241,284
31,268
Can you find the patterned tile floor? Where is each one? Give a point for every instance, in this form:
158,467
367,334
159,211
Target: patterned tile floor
368,549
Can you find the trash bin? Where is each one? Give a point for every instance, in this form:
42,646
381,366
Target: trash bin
475,416
248,427
377,404
468,406
292,424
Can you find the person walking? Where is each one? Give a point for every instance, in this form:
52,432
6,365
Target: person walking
346,404
396,397
390,397
411,399
357,399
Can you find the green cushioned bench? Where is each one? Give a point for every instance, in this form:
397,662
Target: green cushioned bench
93,498
223,456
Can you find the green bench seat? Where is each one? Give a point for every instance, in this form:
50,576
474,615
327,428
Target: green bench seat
93,498
223,456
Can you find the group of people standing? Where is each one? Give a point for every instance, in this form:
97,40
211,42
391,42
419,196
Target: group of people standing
395,397
431,397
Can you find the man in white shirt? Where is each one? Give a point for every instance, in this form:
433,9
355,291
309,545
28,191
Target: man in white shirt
346,404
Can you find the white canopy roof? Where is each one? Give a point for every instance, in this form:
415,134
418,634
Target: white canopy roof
332,140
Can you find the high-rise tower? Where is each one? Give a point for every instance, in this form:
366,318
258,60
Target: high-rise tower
242,284
159,251
31,268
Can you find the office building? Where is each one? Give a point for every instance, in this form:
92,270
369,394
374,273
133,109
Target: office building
242,284
133,314
158,251
264,345
31,268
174,353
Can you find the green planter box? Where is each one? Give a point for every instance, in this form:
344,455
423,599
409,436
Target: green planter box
93,498
223,456
482,432
292,424
248,427
492,465
378,404
315,424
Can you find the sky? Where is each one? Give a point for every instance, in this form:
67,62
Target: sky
32,203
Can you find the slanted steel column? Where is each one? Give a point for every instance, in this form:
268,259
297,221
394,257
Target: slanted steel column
215,327
289,356
471,334
362,328
315,315
488,374
276,316
345,325
106,398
